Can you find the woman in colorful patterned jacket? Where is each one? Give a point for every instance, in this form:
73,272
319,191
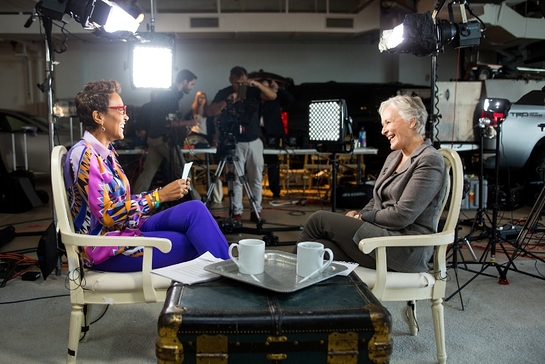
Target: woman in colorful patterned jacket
101,201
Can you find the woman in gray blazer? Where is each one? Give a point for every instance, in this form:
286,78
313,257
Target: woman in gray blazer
406,198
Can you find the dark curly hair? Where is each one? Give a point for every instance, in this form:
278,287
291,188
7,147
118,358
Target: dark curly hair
95,96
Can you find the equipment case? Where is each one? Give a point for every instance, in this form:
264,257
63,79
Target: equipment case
17,188
226,321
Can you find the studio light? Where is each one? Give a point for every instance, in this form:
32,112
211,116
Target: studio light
329,125
416,35
91,14
422,34
495,110
151,61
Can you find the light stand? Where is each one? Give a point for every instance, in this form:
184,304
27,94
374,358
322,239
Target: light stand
496,110
91,14
329,126
478,220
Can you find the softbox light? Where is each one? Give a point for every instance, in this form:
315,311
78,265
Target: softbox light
328,125
151,61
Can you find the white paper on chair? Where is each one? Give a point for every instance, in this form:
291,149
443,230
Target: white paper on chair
190,272
187,168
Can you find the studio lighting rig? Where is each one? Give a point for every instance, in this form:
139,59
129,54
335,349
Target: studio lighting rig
91,14
422,34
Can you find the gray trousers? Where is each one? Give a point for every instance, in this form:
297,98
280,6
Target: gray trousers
250,155
336,232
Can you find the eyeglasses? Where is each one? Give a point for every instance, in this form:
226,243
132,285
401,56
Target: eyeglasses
122,109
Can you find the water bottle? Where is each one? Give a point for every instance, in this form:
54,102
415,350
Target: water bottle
362,138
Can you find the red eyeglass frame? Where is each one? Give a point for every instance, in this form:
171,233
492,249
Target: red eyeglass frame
119,108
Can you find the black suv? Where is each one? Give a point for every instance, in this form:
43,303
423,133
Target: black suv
362,100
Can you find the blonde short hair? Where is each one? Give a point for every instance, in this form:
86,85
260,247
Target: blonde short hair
409,108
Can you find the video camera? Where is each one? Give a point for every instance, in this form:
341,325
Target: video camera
235,116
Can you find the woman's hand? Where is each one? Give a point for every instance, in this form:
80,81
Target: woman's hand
354,214
174,190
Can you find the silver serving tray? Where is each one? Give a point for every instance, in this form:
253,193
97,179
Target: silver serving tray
279,274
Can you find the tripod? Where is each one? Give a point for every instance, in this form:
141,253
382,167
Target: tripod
479,221
232,160
455,252
494,238
530,226
230,225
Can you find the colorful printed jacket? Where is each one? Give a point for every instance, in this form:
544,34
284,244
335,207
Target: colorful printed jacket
100,199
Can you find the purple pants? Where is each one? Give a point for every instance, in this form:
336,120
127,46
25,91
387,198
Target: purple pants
191,229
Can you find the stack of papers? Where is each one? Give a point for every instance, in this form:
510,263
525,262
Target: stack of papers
350,265
190,272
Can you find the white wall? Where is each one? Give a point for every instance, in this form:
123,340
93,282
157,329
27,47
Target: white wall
211,62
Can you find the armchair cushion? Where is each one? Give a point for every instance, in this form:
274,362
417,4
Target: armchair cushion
120,282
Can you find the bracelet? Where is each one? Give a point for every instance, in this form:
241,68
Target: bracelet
156,198
153,202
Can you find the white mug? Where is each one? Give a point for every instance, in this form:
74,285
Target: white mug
310,258
251,256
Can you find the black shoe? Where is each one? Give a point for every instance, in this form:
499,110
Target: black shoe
257,218
276,195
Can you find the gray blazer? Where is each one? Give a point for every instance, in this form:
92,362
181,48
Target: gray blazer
406,202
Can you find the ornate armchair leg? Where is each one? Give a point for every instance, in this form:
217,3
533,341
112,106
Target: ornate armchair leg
76,319
437,312
410,313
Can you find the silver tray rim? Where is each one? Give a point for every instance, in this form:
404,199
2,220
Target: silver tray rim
271,268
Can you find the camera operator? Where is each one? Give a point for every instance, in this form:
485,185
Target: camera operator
249,147
164,124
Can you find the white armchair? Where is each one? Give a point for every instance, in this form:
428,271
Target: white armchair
394,286
89,287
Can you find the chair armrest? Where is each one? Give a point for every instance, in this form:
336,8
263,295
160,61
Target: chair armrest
442,238
164,245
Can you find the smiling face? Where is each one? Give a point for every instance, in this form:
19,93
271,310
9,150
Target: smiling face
113,121
400,132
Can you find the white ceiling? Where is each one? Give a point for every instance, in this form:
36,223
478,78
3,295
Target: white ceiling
225,6
297,20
